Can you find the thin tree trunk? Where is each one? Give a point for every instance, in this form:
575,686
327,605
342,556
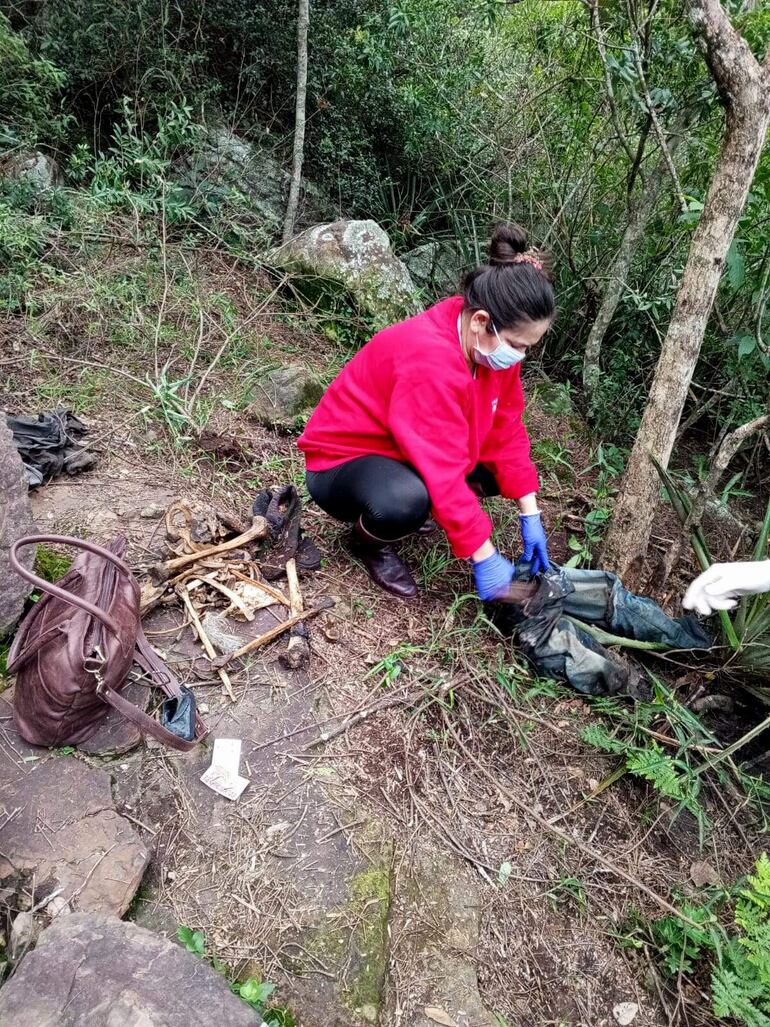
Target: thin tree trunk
706,494
744,87
639,213
303,20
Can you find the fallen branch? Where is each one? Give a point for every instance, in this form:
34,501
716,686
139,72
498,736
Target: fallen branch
568,839
356,718
273,633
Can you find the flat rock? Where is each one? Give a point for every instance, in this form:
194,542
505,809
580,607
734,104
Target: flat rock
116,735
282,888
15,521
435,919
92,970
62,830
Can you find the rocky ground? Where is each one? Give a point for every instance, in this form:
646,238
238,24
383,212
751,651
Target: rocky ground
426,837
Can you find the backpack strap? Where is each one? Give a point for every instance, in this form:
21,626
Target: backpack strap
162,676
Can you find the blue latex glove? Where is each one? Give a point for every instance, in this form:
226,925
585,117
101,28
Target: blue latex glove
493,576
534,541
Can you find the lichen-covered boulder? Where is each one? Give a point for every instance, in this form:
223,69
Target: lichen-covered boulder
15,521
356,255
223,160
34,167
435,267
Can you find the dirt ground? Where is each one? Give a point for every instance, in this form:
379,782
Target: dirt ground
409,863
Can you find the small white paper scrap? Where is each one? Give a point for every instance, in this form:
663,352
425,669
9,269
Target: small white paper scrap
222,776
227,754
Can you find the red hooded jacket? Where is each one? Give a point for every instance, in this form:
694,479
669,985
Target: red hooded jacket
408,394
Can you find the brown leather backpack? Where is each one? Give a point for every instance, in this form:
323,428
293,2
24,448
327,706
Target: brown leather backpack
74,650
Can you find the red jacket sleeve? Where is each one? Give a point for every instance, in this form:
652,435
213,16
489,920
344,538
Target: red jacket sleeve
506,447
428,419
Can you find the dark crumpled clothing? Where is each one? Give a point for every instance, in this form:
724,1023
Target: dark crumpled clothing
282,508
559,648
48,445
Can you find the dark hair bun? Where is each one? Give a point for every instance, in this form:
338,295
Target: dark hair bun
508,241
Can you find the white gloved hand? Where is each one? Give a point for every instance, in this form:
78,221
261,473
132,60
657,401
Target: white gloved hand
719,587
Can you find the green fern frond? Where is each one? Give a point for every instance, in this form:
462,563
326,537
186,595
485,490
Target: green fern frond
664,774
752,915
599,737
735,995
656,767
758,891
756,948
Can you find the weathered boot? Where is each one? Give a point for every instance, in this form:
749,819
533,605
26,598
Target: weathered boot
385,566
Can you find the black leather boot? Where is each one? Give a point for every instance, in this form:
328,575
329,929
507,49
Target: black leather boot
385,566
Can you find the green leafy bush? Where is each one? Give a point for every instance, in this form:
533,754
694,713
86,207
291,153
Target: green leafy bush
253,992
741,983
28,86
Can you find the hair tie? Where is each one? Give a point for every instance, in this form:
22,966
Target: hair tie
526,258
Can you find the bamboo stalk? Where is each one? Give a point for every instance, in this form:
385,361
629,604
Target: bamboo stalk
606,638
758,729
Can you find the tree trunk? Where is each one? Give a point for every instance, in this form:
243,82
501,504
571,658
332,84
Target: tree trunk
744,87
639,213
303,20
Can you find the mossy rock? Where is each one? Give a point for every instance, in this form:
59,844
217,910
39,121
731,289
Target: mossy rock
357,255
284,396
356,935
50,565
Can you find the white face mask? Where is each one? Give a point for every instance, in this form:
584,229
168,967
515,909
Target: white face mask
502,357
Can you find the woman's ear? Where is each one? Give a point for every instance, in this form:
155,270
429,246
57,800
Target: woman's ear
480,321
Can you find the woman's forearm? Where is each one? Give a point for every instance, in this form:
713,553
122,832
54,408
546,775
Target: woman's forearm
483,551
528,504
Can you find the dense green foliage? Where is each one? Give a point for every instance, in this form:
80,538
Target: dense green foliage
434,117
28,84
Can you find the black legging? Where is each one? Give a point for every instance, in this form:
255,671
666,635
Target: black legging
390,497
